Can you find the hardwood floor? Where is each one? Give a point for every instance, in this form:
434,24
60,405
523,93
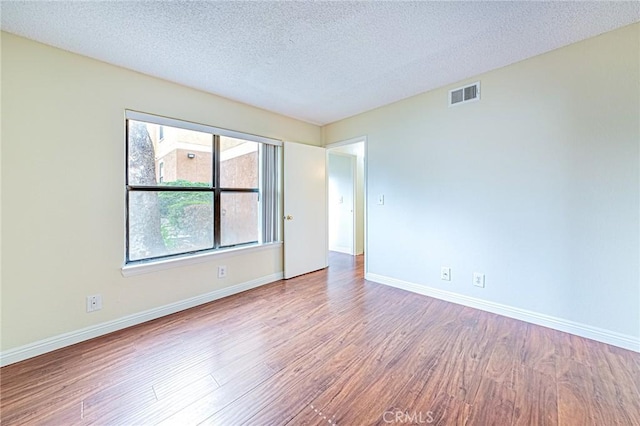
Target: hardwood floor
328,348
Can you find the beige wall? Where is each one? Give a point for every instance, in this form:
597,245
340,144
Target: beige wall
536,185
63,190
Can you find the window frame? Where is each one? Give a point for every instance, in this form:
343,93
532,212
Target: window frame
217,197
160,167
214,188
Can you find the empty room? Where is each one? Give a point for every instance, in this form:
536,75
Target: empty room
312,213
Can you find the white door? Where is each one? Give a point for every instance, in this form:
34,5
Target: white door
342,191
305,209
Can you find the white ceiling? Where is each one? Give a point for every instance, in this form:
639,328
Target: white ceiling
315,61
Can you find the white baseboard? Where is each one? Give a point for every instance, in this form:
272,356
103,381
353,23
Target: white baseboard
341,249
582,330
56,342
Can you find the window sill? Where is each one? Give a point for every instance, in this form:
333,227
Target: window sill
161,265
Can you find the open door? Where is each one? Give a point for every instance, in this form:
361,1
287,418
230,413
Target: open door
305,209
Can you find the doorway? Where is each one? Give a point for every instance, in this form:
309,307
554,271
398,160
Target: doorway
346,172
342,202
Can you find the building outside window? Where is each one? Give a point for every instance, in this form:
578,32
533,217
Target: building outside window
160,171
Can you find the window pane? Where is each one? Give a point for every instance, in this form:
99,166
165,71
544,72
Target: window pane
238,163
239,218
185,155
163,223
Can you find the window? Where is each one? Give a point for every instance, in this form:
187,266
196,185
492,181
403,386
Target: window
202,189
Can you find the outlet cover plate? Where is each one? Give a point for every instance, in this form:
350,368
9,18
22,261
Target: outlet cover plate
478,279
222,271
94,302
445,273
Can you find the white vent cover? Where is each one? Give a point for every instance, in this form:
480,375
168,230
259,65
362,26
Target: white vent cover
464,94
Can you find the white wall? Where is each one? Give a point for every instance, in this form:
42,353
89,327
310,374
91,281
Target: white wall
342,181
63,216
357,149
536,185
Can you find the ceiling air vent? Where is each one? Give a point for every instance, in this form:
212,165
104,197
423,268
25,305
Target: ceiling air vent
464,94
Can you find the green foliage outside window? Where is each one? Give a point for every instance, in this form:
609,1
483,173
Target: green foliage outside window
181,209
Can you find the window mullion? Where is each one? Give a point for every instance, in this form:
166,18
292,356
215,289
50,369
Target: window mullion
216,193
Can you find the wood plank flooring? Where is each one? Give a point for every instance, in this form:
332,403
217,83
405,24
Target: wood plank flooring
328,348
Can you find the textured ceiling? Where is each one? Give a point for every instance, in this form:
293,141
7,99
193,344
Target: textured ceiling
316,61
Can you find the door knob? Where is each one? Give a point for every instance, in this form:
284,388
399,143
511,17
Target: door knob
288,217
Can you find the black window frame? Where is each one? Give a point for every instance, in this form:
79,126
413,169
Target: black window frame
215,189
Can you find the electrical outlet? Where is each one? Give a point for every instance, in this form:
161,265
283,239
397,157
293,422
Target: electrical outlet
445,273
94,303
222,271
478,279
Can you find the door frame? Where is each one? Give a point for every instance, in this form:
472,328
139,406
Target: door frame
352,141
